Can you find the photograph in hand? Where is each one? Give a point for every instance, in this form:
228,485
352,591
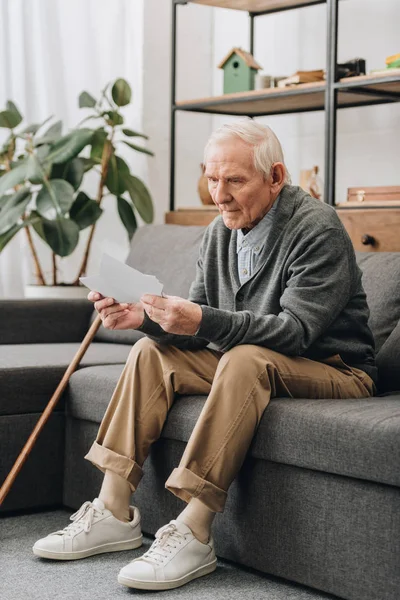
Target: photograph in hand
119,281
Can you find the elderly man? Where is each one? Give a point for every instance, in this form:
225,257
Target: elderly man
277,308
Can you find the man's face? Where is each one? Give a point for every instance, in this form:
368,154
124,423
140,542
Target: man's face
240,192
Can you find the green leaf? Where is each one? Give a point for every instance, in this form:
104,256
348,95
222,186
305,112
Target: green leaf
121,92
14,177
70,145
138,148
131,133
127,216
86,100
9,119
117,169
84,211
140,197
89,163
51,135
71,171
98,140
55,199
74,172
6,144
38,224
62,235
31,128
8,236
13,109
35,172
13,208
113,117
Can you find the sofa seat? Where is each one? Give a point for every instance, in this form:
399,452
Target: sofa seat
30,373
353,437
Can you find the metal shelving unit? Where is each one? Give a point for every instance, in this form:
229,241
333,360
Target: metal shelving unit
330,95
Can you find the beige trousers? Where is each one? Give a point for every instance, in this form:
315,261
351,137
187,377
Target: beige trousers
239,384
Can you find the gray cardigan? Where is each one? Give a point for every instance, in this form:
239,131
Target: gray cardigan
305,298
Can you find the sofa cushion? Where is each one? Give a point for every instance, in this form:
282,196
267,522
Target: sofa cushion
170,253
30,373
381,281
356,437
388,362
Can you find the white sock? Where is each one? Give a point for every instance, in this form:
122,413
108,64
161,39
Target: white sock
199,518
116,495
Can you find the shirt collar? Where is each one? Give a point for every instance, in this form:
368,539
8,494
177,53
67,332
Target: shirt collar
256,237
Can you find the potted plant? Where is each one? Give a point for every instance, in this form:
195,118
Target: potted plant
41,174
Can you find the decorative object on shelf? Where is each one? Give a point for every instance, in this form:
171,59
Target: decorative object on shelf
302,77
240,70
393,62
41,174
311,182
202,187
352,68
267,81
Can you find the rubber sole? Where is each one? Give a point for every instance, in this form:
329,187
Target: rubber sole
168,585
112,547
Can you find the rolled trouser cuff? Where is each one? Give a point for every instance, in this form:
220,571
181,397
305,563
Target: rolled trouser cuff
186,485
108,460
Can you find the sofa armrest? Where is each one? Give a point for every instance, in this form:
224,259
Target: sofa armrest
44,321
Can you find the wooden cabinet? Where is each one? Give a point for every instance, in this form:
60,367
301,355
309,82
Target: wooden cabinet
372,229
192,216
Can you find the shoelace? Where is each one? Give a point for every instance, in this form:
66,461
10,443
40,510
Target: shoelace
167,537
82,518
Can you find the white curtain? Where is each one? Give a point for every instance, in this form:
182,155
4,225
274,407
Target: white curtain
51,50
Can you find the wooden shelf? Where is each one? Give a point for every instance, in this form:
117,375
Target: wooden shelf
362,91
308,96
258,6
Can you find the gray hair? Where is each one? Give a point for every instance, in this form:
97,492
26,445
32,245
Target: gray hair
266,146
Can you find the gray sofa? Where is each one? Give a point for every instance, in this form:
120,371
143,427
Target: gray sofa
317,500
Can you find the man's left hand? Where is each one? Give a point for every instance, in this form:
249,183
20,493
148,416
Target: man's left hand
173,314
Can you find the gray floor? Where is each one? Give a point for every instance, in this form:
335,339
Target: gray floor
26,577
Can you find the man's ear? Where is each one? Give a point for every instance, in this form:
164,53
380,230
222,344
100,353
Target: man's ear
278,175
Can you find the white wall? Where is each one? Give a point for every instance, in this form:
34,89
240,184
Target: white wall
368,138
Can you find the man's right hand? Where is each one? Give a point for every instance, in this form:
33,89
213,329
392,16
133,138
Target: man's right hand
115,315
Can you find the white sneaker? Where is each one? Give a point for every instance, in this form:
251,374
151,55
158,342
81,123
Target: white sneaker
175,558
93,530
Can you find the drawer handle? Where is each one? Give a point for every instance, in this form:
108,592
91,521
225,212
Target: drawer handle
367,240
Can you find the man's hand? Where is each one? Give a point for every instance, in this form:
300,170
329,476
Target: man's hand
173,314
115,315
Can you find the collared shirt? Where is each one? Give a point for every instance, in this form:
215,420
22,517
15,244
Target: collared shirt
249,246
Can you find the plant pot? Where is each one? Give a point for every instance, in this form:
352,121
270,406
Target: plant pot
56,291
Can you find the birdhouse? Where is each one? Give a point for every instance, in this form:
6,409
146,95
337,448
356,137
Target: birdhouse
240,70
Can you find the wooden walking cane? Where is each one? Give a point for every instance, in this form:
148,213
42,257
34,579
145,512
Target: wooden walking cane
5,488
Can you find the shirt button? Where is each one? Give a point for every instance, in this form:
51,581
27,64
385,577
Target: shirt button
244,271
257,248
244,243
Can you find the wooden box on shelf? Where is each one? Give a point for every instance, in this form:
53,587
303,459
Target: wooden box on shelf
371,216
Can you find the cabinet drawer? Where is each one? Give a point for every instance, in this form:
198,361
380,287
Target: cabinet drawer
372,230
